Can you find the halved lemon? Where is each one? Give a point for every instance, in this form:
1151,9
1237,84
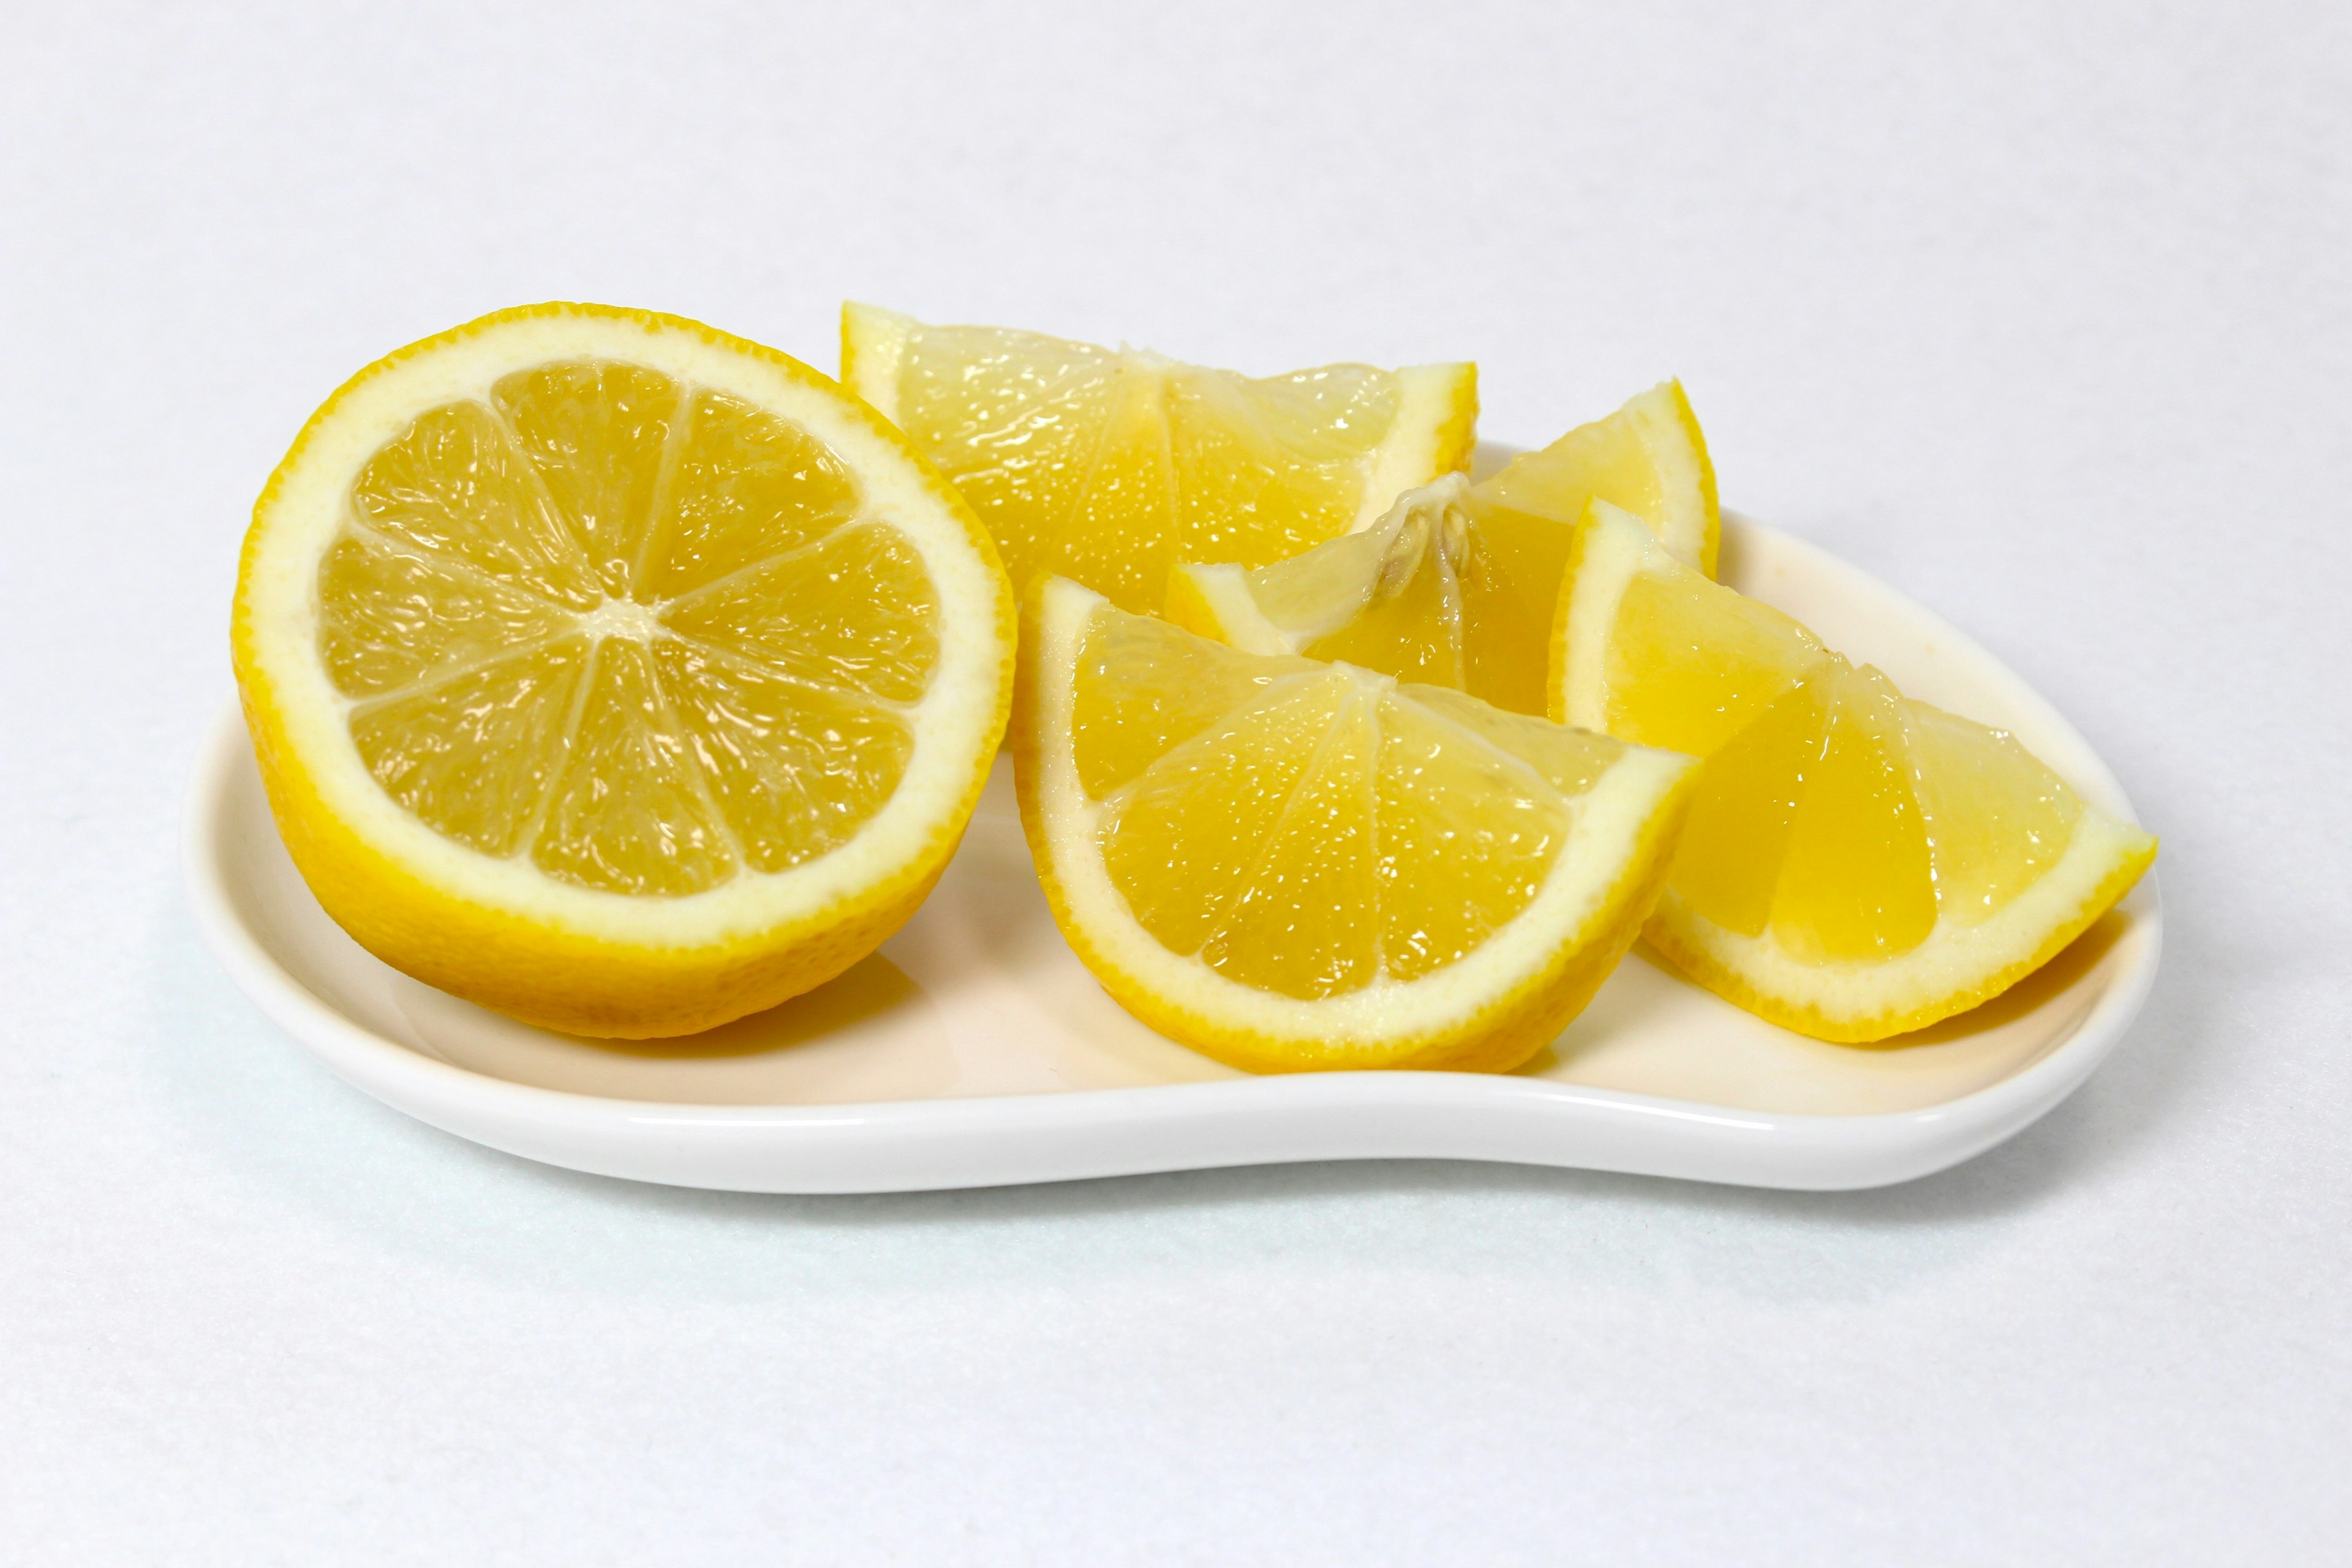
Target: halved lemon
1110,465
1457,583
613,672
1291,865
1857,863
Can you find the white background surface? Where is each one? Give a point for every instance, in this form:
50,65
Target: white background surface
2039,313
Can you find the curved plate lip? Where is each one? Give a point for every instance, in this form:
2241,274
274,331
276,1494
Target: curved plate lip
1071,1134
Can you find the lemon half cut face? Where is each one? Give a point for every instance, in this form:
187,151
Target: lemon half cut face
614,672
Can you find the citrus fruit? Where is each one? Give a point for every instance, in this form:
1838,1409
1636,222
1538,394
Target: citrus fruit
613,672
1857,863
1291,865
1457,583
1110,465
1649,459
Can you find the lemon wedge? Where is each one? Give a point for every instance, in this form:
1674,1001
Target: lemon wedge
1457,584
1107,465
1291,865
615,673
1857,863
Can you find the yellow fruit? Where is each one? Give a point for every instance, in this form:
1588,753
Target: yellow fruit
1649,459
1457,584
1857,863
1295,865
613,672
1107,465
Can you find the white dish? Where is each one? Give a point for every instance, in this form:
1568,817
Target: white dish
974,1049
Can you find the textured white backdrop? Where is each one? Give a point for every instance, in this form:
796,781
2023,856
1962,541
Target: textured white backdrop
2042,313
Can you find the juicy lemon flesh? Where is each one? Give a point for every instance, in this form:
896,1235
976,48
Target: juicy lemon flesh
1444,590
1837,823
1844,817
1649,457
1457,584
1310,829
1107,465
632,630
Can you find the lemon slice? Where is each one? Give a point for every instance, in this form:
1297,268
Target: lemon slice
1107,465
1857,863
1649,459
1457,583
1290,865
615,673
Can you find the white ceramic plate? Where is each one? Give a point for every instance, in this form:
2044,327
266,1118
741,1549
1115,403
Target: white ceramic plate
974,1049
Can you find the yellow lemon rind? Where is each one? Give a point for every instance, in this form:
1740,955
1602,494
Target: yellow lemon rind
499,932
1710,543
1489,1012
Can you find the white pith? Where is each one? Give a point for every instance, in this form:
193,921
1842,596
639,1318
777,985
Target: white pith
1682,530
1955,958
1615,548
1410,456
1606,823
951,724
1425,525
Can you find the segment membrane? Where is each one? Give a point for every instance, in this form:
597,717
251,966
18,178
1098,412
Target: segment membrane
390,618
1509,577
1143,688
855,610
472,756
459,610
595,430
1118,535
747,486
1465,840
1237,778
1303,923
453,485
1413,631
1570,760
1735,839
794,770
627,814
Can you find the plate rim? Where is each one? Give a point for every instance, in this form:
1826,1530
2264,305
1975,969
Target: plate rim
838,1144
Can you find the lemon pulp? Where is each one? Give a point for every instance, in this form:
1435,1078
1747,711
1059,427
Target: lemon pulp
1856,863
1289,863
1106,466
1457,584
630,629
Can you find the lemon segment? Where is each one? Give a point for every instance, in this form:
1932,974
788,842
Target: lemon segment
1649,459
1457,584
1294,865
1107,466
1857,863
615,673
